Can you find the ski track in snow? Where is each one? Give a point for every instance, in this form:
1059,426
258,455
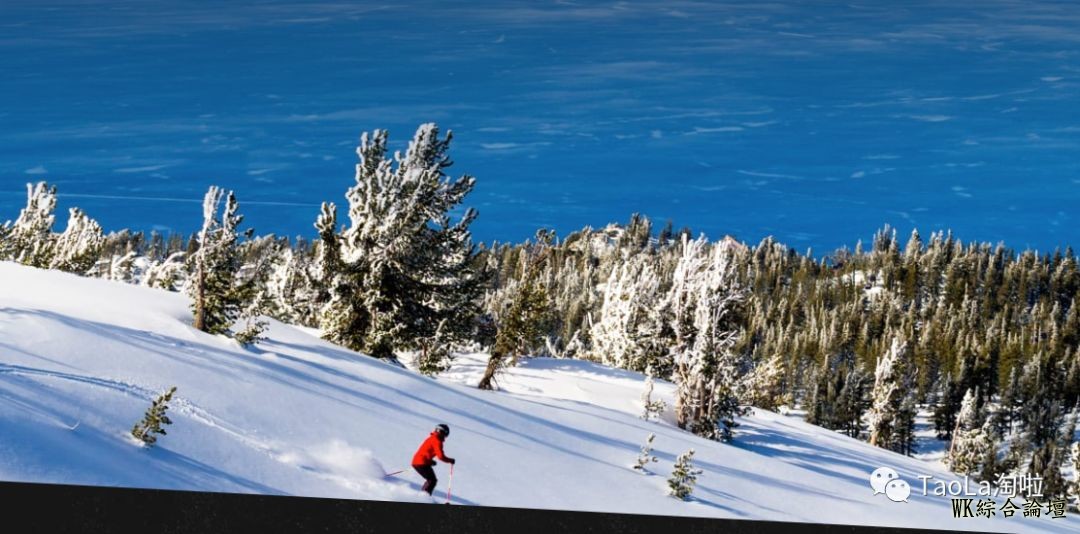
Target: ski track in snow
178,404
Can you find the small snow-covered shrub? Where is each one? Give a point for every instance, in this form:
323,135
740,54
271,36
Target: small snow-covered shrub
645,457
684,476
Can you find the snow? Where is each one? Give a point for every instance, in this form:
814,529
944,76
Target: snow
873,289
927,445
80,360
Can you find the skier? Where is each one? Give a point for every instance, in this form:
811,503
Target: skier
424,459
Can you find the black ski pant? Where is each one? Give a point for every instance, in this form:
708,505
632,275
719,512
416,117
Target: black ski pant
429,476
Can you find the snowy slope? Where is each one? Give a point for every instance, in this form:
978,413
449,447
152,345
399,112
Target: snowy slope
80,360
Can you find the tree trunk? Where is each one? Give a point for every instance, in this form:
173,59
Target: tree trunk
680,396
700,405
489,373
952,441
200,301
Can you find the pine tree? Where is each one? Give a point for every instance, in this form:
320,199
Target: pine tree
1046,462
645,457
251,287
683,476
28,240
254,325
217,297
766,382
905,424
1009,401
651,408
342,316
289,291
971,442
153,419
77,248
1071,392
705,298
435,356
892,384
1055,484
852,403
167,274
401,268
1042,419
6,244
120,268
624,334
1074,488
946,410
523,325
682,302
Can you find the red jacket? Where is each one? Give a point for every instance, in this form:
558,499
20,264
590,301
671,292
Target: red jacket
430,449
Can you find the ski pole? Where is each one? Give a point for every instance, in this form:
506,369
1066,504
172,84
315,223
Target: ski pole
449,483
388,475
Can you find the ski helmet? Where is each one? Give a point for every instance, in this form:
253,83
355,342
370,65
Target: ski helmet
443,429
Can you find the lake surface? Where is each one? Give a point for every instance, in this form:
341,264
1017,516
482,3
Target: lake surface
814,122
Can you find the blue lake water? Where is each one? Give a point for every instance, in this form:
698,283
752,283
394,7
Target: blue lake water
814,122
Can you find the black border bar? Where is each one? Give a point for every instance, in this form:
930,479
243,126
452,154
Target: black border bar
67,508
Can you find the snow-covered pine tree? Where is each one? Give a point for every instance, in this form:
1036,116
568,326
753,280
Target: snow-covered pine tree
434,353
259,258
993,465
765,382
523,325
626,325
651,408
1044,440
682,303
705,299
610,332
288,292
119,268
645,457
851,402
1049,459
7,246
29,240
892,384
342,317
76,249
255,301
401,267
166,274
683,476
214,265
253,328
970,442
153,419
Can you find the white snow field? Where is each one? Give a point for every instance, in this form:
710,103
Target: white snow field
81,359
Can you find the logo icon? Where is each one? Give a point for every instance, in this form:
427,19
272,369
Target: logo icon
886,480
897,490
